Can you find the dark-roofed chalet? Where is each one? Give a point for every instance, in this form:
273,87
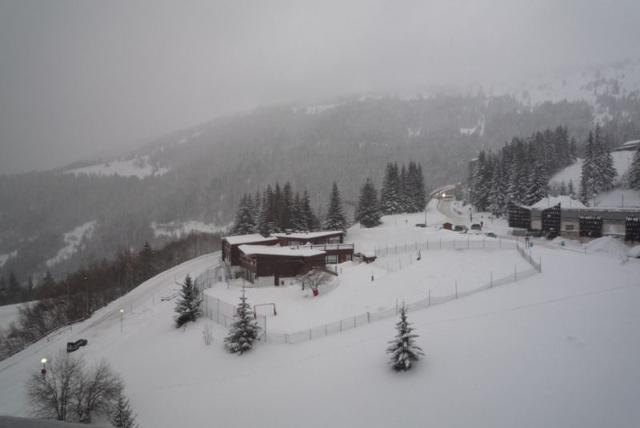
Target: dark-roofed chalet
230,244
329,241
259,261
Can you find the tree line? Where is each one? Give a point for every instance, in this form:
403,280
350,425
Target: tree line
278,209
519,172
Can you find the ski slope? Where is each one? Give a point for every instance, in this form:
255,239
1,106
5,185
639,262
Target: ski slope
557,349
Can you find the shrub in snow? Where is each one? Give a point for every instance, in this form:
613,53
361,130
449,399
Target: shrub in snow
403,349
244,330
188,305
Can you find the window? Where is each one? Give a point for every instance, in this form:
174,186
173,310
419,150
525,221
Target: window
331,259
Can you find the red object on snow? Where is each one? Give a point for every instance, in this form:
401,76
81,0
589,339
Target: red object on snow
315,292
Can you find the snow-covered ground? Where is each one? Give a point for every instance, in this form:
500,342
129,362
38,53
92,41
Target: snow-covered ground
176,229
73,241
556,349
137,167
8,314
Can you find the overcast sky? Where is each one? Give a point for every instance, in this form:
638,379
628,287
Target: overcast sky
80,78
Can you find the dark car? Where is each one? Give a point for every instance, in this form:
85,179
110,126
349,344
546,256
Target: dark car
74,346
460,228
490,235
476,226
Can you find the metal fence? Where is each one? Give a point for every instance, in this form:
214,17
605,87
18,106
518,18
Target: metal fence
456,244
223,312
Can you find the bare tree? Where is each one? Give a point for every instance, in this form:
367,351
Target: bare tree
314,279
67,392
51,394
98,392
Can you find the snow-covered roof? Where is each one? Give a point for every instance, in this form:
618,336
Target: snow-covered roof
308,235
280,251
632,143
564,201
248,239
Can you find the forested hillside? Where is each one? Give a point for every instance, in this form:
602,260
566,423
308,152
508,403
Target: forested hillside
200,174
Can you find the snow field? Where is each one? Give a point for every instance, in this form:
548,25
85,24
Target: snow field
352,293
556,349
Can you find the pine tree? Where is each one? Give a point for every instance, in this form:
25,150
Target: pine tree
634,171
335,217
403,349
588,173
123,416
309,217
606,172
368,211
267,213
390,193
244,330
296,220
406,204
188,305
538,184
244,222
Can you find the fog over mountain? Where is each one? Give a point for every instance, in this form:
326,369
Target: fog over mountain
79,79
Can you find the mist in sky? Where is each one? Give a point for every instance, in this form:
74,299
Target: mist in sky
84,78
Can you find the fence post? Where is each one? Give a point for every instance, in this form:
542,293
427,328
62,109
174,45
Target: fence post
515,272
368,318
286,338
309,334
490,279
540,264
340,325
456,288
468,242
429,297
441,243
354,322
500,242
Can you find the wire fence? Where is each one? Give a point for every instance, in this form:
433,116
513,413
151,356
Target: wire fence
222,312
459,244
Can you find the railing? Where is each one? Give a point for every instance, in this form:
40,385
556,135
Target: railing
440,244
332,247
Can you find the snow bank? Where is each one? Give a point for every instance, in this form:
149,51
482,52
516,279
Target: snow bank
608,245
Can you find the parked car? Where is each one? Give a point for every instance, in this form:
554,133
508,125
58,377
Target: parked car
476,226
460,228
490,235
421,225
74,346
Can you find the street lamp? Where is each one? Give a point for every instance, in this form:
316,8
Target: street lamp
121,321
44,366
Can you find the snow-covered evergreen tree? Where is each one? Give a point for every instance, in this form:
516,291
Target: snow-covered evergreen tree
309,218
404,352
606,172
588,173
335,217
244,222
244,329
634,171
538,184
368,211
390,202
123,416
188,304
266,220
